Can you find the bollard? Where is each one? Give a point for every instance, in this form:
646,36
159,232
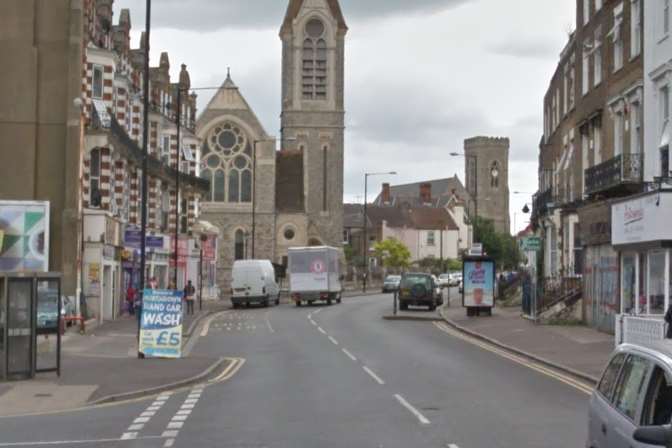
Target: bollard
395,303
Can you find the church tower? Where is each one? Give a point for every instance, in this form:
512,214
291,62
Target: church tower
487,179
313,38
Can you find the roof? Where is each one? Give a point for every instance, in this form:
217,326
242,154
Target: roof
294,8
410,193
422,218
353,216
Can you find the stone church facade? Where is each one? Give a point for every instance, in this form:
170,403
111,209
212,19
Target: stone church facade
265,201
487,179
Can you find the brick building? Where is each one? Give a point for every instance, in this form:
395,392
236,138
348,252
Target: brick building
591,150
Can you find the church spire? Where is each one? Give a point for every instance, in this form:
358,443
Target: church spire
294,8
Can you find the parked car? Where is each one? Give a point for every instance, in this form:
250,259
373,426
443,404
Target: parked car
445,280
455,278
633,395
417,290
254,282
391,283
438,290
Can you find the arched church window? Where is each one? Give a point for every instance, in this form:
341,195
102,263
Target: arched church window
227,164
314,61
494,175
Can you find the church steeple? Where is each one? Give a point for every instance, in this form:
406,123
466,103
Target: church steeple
294,8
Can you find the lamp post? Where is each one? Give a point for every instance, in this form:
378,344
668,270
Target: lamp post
145,152
365,223
204,239
475,198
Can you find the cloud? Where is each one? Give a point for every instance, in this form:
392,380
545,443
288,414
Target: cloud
208,15
533,47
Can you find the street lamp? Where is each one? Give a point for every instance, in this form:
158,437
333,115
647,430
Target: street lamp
475,198
366,237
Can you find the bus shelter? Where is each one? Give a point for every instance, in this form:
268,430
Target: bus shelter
30,314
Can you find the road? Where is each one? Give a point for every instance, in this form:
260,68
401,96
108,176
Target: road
335,376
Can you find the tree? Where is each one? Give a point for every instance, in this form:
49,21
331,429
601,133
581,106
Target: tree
500,246
393,254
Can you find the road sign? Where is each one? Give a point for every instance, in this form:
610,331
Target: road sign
531,244
476,250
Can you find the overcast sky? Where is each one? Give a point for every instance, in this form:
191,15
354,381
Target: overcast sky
421,75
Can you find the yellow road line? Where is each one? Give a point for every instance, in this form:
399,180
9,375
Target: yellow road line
582,387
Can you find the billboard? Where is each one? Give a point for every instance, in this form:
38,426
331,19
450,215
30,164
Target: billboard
479,283
161,324
24,245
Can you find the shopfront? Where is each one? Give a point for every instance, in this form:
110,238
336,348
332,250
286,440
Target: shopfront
642,234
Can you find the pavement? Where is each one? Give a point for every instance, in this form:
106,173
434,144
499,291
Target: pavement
103,366
337,376
579,350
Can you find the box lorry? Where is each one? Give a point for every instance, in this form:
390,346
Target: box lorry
315,275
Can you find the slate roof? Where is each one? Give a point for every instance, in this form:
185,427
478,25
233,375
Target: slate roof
442,190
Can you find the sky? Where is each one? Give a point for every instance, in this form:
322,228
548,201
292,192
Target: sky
421,76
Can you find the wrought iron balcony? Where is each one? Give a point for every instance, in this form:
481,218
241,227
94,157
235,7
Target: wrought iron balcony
540,203
622,171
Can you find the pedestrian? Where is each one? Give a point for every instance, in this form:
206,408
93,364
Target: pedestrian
138,306
668,319
189,292
130,299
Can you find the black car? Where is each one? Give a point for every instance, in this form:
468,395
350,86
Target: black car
417,290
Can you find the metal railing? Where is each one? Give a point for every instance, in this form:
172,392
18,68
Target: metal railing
639,329
554,290
622,169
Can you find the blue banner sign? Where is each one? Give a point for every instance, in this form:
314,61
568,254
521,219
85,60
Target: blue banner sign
133,237
161,324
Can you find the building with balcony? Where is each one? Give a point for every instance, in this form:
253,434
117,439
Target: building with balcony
591,151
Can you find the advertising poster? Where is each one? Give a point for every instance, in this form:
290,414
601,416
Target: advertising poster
161,324
24,240
479,283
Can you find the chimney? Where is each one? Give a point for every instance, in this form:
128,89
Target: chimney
426,193
386,194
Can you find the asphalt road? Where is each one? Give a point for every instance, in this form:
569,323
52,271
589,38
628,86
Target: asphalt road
335,376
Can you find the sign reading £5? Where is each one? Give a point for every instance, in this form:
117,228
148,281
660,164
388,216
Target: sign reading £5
161,324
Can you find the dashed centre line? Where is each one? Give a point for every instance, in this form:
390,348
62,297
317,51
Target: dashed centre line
321,330
334,341
373,375
349,355
424,420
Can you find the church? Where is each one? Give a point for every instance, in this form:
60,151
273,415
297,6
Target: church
265,201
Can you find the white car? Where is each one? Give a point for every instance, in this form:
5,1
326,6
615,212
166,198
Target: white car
254,282
445,280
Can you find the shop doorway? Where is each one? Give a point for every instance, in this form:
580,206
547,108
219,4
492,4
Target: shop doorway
106,294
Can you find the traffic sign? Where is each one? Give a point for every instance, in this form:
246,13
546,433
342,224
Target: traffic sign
531,244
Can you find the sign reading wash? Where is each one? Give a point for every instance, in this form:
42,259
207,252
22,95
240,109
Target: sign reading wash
643,219
161,325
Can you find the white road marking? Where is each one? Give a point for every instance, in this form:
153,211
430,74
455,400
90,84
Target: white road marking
169,443
313,322
187,406
373,375
184,412
334,341
140,420
136,427
349,355
452,445
175,425
268,323
317,311
190,401
154,408
321,330
179,418
148,414
196,396
69,443
414,411
170,434
129,436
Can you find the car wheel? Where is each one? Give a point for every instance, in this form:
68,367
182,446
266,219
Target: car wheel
339,300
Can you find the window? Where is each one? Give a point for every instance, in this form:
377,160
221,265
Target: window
97,82
630,385
239,249
597,57
94,179
610,376
597,142
165,149
666,17
165,210
598,5
578,250
572,81
431,238
585,81
657,409
665,161
635,128
325,179
227,159
641,302
618,133
586,11
314,75
635,28
664,96
656,283
565,102
617,37
628,284
584,155
494,175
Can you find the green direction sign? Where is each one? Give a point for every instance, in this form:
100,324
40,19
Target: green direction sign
531,244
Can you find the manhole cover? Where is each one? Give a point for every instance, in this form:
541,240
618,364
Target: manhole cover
43,395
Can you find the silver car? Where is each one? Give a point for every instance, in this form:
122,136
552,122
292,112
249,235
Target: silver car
632,404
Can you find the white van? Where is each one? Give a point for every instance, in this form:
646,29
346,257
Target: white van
254,282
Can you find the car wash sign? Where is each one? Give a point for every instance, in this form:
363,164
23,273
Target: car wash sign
161,324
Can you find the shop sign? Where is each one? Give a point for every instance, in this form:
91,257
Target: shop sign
94,279
641,220
161,324
531,244
182,252
132,238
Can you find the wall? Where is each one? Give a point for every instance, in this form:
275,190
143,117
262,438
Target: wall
40,128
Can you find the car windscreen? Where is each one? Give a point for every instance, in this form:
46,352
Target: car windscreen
411,280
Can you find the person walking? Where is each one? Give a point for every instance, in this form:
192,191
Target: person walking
189,292
130,299
668,319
